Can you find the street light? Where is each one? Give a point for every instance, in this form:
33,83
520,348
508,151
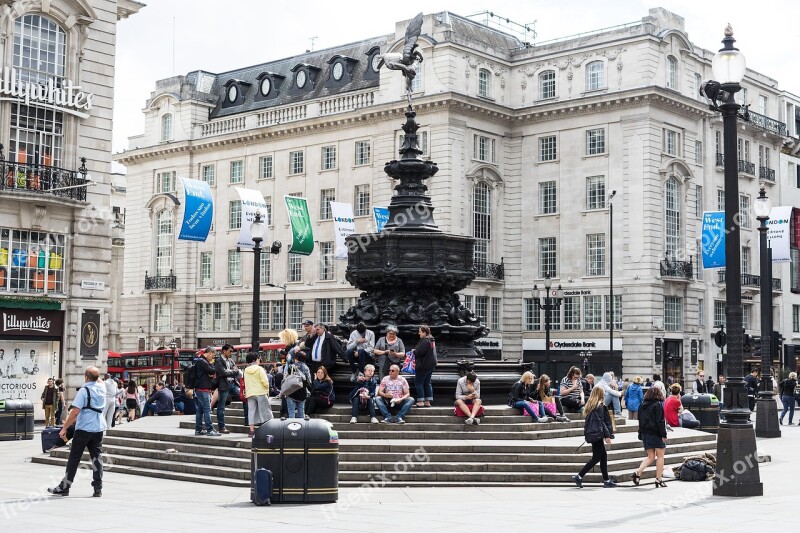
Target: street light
174,347
257,234
284,299
736,440
611,280
550,304
766,410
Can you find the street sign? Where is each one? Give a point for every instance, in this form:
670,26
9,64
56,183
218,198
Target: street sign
720,339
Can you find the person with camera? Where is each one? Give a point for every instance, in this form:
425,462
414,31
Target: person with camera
389,350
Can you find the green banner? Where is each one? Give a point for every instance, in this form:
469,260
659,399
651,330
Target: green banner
302,234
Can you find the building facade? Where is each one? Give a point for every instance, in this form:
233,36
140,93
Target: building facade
55,225
530,140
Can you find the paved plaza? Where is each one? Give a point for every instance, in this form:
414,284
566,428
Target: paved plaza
180,506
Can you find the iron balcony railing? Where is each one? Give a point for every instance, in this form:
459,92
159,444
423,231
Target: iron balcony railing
160,283
766,173
677,269
46,180
489,270
750,280
747,167
767,124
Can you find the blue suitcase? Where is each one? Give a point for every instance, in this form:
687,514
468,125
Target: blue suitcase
262,487
50,439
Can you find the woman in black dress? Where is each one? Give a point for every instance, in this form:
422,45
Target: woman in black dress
653,434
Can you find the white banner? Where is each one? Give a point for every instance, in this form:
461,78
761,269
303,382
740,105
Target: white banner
252,201
343,226
780,219
25,367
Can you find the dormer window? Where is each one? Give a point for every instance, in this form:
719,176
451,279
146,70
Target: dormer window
269,85
305,77
341,70
373,58
234,92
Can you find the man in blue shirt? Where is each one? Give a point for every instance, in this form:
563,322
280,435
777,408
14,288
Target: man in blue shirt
86,412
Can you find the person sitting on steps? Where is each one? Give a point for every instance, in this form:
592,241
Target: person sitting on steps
363,395
674,412
542,395
359,349
468,397
571,390
520,395
394,391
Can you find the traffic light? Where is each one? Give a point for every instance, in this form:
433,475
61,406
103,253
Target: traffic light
776,345
751,343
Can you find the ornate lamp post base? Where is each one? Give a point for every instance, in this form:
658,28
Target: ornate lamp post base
737,462
767,416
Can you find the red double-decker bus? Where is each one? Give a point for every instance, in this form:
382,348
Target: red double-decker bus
268,352
151,366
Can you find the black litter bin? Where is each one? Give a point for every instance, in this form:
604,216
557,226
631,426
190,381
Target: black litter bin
16,420
705,407
303,456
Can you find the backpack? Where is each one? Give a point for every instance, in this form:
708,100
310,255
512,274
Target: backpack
695,470
594,429
190,376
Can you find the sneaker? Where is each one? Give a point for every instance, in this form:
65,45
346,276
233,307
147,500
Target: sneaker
562,419
373,420
477,421
387,420
97,493
780,421
469,421
201,432
543,419
610,484
58,491
399,420
213,433
353,420
225,431
578,481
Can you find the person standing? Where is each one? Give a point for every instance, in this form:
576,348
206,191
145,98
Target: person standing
227,372
389,350
202,393
751,381
49,399
111,400
597,419
633,398
787,387
60,404
131,400
653,434
256,388
324,349
86,413
296,401
425,354
699,385
359,349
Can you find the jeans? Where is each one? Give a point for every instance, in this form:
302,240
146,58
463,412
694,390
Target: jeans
179,406
381,402
610,399
202,405
80,442
358,358
59,412
788,404
356,403
527,408
147,409
599,455
422,381
295,409
222,397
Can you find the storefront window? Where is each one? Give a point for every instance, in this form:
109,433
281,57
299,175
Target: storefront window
31,261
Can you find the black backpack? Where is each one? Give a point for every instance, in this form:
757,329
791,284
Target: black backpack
695,470
190,376
594,429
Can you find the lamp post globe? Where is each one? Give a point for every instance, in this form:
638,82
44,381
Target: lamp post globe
728,65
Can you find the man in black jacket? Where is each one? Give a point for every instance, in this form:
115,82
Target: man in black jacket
226,371
324,350
751,382
202,393
161,402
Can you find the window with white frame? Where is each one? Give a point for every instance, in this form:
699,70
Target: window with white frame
741,97
235,214
328,157
596,254
234,267
166,127
547,148
547,198
296,162
326,196
361,201
747,311
422,141
744,211
672,73
483,149
362,153
719,313
595,192
265,270
596,141
743,149
701,312
165,182
673,313
482,308
592,312
220,318
263,316
617,311
672,218
718,145
277,315
209,174
237,171
672,142
532,315
326,260
720,200
698,82
164,243
265,167
698,152
747,259
595,76
468,299
343,304
295,314
163,317
796,319
204,314
572,312
206,269
482,221
762,104
547,257
555,318
268,210
494,321
295,268
484,83
547,84
698,260
698,201
325,310
416,83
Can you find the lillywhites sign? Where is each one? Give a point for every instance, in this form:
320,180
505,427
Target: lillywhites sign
61,95
13,323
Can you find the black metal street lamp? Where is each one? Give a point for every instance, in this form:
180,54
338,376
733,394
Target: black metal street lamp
766,408
551,303
611,281
257,229
284,299
736,440
174,347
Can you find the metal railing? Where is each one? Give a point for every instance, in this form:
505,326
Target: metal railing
489,270
160,283
43,179
767,124
766,173
747,167
677,269
748,280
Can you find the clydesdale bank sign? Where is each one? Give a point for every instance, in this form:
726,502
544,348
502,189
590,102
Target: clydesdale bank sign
55,93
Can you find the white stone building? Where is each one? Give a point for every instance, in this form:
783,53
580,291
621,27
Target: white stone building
55,218
530,140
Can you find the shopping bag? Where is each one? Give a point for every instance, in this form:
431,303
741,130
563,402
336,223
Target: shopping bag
410,363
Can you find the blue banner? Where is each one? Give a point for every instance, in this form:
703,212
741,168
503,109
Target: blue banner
381,215
198,210
713,239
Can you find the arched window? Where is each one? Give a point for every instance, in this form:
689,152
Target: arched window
36,135
482,221
672,218
163,242
166,127
484,83
595,76
672,73
547,84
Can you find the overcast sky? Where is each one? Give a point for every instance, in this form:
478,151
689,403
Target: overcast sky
220,36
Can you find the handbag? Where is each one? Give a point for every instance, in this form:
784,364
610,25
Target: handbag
410,363
534,407
292,383
551,409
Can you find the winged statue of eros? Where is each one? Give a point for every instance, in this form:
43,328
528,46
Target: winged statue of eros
405,61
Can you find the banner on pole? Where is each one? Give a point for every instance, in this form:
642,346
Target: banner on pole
343,225
252,201
300,220
198,210
381,215
778,233
713,239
